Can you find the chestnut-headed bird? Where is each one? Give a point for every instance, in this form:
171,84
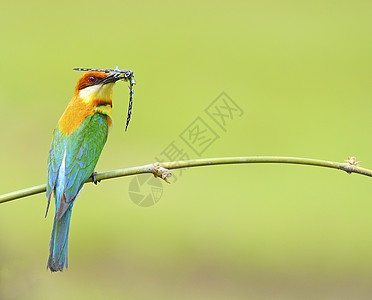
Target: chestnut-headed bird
77,143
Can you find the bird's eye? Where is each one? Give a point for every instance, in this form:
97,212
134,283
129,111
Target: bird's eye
92,79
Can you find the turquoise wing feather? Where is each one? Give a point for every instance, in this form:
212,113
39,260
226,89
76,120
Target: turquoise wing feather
54,162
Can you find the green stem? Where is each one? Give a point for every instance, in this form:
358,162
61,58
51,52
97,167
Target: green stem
350,167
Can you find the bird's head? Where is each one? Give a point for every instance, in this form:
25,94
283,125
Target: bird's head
93,94
96,86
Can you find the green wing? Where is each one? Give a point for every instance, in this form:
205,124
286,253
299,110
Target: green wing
72,159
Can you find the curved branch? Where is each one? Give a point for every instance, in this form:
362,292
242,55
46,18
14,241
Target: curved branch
161,169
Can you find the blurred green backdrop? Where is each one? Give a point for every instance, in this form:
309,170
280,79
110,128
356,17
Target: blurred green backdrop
300,71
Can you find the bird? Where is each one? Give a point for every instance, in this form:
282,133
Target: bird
77,143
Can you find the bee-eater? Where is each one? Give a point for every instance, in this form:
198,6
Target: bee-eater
77,143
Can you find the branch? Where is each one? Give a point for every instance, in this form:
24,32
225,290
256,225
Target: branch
161,169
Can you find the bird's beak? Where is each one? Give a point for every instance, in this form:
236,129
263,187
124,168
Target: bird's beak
113,77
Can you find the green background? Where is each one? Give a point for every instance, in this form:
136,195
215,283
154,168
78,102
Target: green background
300,71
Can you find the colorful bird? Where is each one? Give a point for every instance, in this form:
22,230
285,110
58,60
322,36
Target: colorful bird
77,143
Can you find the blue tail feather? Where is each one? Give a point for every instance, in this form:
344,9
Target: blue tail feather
59,242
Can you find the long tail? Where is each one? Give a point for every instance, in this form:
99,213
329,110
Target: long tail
59,242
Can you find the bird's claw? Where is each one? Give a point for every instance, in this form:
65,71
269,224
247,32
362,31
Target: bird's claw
94,178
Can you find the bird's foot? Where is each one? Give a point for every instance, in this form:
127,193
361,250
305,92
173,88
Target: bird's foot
95,181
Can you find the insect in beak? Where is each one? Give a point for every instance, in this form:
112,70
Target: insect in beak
115,75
